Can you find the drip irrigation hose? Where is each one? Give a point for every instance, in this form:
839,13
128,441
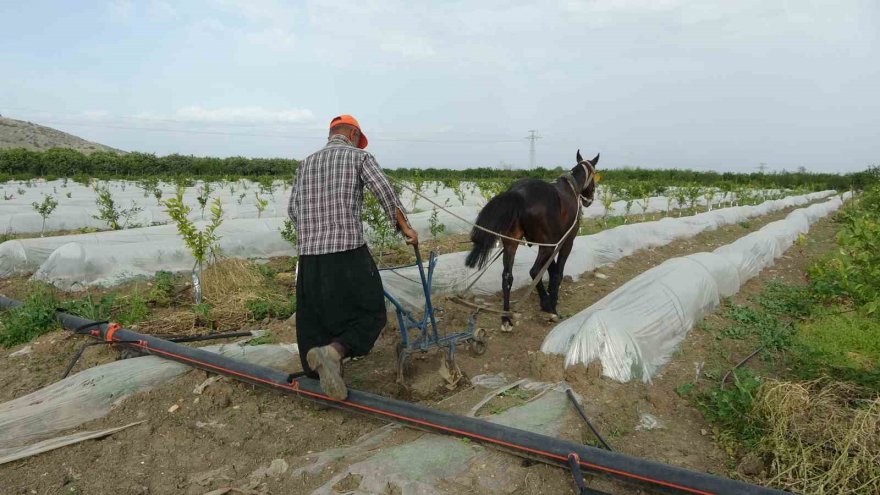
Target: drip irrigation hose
659,477
583,415
745,359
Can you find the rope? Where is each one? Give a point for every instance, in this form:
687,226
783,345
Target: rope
472,224
588,175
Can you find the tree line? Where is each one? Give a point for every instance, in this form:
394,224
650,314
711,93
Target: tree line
61,162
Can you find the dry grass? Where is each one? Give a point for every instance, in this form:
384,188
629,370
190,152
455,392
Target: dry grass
822,437
227,286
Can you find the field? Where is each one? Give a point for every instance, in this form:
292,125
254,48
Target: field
801,414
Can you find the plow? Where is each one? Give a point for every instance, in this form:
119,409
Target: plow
427,335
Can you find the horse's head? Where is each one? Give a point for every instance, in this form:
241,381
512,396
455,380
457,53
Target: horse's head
585,173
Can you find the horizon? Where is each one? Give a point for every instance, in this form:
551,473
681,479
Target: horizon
676,84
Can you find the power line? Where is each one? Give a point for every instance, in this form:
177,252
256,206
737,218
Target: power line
269,135
532,137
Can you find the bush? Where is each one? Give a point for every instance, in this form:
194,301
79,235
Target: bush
853,272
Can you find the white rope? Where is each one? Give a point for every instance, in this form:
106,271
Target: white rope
523,241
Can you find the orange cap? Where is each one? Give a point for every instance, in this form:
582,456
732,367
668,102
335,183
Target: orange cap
348,119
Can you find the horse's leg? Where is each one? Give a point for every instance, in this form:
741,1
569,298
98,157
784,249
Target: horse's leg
544,252
507,282
556,271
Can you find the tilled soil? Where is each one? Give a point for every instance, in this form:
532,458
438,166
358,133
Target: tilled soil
224,437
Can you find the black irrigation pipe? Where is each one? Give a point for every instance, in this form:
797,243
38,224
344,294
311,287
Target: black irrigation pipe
657,476
191,338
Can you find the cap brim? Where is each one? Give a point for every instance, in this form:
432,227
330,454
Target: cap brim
362,143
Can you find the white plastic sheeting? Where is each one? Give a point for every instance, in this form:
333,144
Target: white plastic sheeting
589,252
238,199
90,394
634,330
464,216
18,216
110,258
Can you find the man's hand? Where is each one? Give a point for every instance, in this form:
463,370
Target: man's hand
411,236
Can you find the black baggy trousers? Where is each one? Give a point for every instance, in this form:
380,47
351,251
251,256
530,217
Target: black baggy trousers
339,298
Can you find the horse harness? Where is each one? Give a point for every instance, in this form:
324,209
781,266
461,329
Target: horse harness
588,174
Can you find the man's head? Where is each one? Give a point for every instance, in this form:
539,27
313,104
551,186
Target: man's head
346,125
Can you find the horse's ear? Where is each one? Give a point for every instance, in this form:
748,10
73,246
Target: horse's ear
579,159
596,160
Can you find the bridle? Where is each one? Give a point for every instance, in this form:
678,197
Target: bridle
589,172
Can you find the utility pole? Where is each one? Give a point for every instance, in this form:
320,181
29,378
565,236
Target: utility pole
532,137
762,167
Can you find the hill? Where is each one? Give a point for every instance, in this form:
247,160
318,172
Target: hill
21,134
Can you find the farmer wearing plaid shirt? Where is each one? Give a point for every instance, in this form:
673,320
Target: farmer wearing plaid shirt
340,303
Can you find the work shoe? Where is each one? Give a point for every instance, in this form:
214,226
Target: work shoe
327,362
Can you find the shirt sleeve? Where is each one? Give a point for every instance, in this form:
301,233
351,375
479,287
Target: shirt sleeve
291,205
378,184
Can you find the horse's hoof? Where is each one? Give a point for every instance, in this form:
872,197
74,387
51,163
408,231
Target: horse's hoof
506,327
553,318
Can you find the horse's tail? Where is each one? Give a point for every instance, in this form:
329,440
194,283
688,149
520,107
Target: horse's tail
499,215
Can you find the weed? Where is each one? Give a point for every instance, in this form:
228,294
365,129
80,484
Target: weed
90,309
516,393
731,408
266,271
203,313
162,291
271,308
772,333
266,338
843,346
30,320
684,389
126,310
785,300
131,309
357,380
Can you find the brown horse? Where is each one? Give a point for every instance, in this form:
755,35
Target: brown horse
538,212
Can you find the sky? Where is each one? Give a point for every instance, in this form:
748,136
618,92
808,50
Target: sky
709,85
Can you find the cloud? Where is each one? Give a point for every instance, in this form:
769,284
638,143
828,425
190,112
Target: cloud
121,9
162,10
274,38
414,47
233,115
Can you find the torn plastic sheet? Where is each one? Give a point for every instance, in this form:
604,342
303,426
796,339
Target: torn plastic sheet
590,251
634,330
91,393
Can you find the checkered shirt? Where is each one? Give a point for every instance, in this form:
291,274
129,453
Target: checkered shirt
328,194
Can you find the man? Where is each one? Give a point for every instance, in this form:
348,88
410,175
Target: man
340,303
